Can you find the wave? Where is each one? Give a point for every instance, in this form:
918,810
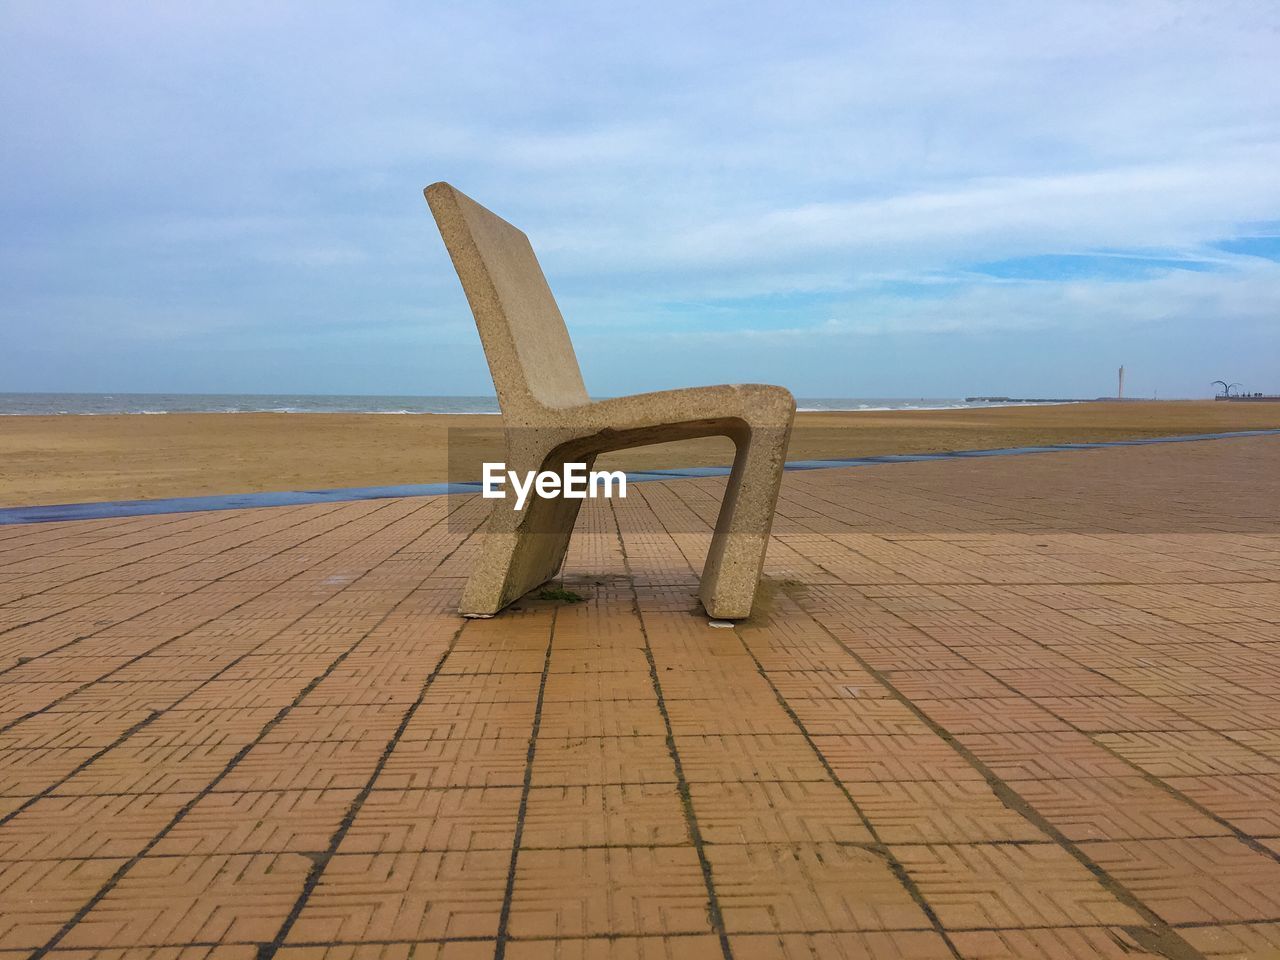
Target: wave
960,405
56,404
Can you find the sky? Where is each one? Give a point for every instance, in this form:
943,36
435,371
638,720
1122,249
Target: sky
852,200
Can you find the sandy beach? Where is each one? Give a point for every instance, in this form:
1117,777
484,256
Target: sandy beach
67,459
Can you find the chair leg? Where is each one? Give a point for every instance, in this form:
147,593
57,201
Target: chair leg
520,550
736,557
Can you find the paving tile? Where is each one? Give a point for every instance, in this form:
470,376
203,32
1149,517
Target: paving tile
406,896
1044,756
245,693
415,950
902,757
1116,808
176,900
601,718
1218,879
960,683
827,684
869,945
1243,941
206,727
1029,885
56,729
304,765
1116,714
616,890
765,812
471,721
682,680
1110,659
631,814
1188,753
765,888
952,811
689,947
217,952
501,688
629,660
857,717
589,687
715,759
454,763
474,818
760,716
587,761
37,897
1005,714
66,827
270,821
1265,742
1104,943
27,772
361,722
1233,712
146,769
1063,682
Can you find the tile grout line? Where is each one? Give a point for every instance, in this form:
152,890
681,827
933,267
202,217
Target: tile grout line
237,546
1163,936
111,529
613,938
508,894
177,818
228,524
714,913
197,529
174,707
141,613
1159,782
876,847
879,847
1158,935
159,606
320,863
656,561
105,678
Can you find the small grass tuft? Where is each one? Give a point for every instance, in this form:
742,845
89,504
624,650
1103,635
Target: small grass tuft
560,595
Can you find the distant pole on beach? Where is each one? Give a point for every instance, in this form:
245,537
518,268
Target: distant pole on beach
1120,388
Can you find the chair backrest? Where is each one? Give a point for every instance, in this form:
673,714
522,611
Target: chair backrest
525,341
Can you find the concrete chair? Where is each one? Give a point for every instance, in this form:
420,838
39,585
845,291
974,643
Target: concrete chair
548,421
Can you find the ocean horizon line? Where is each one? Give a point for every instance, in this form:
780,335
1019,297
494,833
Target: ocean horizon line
51,403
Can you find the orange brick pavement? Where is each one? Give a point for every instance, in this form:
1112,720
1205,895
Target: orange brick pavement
991,708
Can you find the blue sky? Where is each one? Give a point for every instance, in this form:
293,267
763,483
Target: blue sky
877,199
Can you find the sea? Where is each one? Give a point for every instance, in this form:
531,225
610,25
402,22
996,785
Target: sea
89,404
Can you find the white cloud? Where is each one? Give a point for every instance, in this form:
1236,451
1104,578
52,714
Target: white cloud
678,166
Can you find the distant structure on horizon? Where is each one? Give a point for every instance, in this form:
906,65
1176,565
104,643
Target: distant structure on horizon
1120,386
1226,394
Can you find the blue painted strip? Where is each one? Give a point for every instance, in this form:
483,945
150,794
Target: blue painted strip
237,501
687,472
289,498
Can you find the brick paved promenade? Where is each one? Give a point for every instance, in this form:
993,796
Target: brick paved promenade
991,708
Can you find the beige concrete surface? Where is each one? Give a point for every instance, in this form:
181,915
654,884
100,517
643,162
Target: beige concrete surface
548,421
